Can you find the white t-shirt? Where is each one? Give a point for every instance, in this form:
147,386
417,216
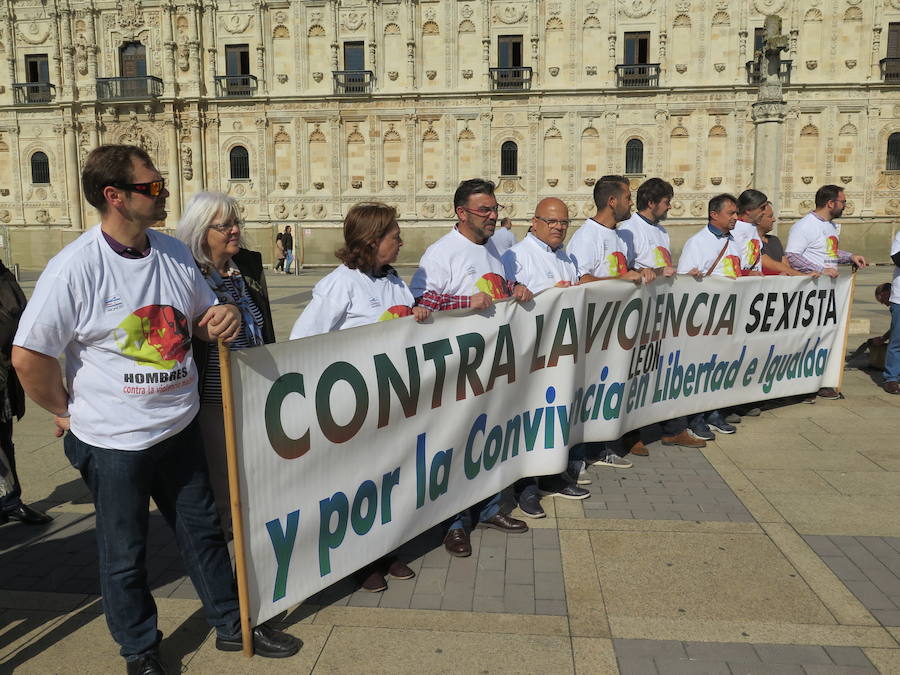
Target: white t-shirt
598,250
349,298
503,239
455,265
701,251
532,263
646,244
815,239
750,244
895,282
125,328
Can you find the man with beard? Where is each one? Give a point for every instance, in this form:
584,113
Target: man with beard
122,302
599,253
813,247
462,270
647,244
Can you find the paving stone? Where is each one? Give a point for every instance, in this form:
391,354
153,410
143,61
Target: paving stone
545,539
547,560
398,594
721,651
430,581
492,558
550,607
549,586
458,596
869,595
649,649
848,656
887,617
840,670
844,568
801,654
485,604
691,667
489,583
423,601
519,548
822,545
766,669
519,598
520,572
637,666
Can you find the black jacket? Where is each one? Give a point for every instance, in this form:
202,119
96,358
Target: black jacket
12,304
250,265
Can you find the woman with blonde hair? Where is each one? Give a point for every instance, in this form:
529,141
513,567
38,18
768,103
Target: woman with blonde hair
211,228
364,289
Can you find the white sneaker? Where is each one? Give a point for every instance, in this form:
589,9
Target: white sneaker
613,460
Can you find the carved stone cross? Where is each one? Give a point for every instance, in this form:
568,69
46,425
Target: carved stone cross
769,57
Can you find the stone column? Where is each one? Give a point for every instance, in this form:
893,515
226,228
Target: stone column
67,85
73,172
170,46
173,184
199,178
768,116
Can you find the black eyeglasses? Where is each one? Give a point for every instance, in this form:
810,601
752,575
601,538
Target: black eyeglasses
151,189
225,228
552,222
485,211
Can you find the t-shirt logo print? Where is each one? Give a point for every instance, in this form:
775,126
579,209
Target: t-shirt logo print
617,264
156,336
831,247
492,284
395,312
662,256
752,252
730,266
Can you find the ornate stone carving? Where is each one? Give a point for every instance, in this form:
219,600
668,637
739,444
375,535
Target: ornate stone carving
467,74
806,179
636,9
850,63
130,15
554,71
552,182
237,23
697,208
766,7
42,216
352,21
720,67
715,180
678,180
510,14
430,184
392,75
431,74
33,33
187,162
812,65
281,77
5,216
681,68
846,179
393,184
317,76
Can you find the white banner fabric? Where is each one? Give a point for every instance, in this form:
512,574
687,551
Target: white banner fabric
352,443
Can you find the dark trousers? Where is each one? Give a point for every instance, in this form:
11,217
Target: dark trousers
10,501
172,472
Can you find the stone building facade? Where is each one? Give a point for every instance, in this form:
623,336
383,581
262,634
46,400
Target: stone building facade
300,108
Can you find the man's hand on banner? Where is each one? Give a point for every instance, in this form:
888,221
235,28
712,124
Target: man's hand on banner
421,313
481,301
522,294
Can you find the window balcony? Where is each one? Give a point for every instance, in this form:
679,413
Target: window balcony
235,85
25,93
637,76
128,88
511,79
754,77
353,82
890,70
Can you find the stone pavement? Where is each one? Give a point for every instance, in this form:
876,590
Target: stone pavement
776,550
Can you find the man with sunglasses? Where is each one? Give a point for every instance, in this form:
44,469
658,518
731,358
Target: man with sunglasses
463,270
122,303
813,247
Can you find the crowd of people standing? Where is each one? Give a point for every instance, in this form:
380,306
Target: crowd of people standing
125,300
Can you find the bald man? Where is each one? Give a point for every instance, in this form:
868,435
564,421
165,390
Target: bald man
540,262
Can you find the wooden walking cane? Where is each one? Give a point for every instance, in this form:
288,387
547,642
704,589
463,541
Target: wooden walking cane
234,490
847,327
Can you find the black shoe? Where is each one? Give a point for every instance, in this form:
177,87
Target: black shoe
267,642
554,486
146,664
717,422
25,514
530,503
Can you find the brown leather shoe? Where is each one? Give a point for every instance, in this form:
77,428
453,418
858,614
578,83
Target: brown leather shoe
457,543
399,570
374,581
639,449
829,393
506,524
892,387
685,439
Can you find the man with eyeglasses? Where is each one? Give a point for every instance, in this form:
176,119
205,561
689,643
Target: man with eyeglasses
122,302
813,247
462,270
540,262
600,254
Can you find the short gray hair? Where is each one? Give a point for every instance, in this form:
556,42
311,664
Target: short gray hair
202,209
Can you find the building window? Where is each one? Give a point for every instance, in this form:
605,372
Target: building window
637,48
239,159
893,152
509,159
40,168
759,39
237,59
893,41
37,68
509,51
354,56
634,157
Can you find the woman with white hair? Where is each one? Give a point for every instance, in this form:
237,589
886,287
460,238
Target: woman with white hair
211,228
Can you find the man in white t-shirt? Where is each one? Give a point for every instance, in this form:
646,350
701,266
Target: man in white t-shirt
813,247
751,207
503,237
540,262
713,252
647,247
892,355
122,302
462,270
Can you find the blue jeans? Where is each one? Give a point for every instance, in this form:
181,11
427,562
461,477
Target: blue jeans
172,472
288,260
487,509
892,356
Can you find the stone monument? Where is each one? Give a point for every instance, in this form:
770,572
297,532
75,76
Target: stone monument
769,113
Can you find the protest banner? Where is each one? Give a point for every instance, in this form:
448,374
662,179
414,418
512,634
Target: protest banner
352,443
